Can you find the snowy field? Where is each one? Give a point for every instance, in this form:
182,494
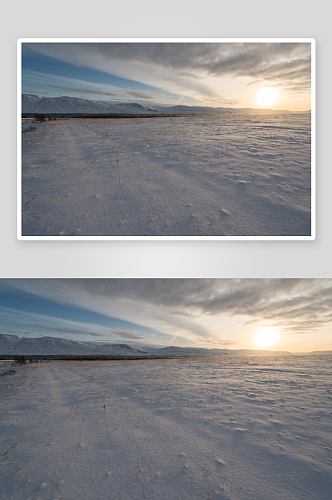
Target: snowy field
186,176
196,429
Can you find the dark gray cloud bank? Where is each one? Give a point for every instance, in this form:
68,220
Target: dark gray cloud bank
289,63
298,304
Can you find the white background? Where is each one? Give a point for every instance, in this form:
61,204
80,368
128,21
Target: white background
178,19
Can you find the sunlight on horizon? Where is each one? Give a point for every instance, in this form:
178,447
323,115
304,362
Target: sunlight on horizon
267,336
267,96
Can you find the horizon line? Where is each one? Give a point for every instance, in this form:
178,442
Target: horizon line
167,105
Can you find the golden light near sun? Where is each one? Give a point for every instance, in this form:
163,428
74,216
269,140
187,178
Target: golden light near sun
267,336
267,96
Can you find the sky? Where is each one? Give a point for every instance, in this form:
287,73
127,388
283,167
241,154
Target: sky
210,313
197,73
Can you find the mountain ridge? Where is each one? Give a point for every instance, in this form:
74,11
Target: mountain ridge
76,105
11,345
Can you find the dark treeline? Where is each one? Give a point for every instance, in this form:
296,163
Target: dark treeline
51,357
115,358
83,115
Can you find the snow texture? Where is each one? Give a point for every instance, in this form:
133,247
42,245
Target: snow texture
227,175
213,428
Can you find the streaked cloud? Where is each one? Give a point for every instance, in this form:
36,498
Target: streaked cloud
141,94
67,331
48,324
77,89
288,62
128,334
296,304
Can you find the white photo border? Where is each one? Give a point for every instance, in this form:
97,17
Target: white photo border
312,41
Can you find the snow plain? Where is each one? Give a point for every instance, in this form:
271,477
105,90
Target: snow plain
226,175
214,428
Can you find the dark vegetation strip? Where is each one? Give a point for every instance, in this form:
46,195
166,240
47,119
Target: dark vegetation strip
41,117
116,358
41,357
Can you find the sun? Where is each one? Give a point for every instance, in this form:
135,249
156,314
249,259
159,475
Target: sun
267,336
267,96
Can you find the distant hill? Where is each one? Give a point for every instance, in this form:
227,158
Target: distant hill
11,345
53,346
34,104
64,105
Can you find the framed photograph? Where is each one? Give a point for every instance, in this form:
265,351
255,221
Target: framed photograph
158,389
166,139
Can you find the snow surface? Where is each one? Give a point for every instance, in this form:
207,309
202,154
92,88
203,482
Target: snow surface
186,176
6,367
215,428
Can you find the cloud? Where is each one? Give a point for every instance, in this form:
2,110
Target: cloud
195,60
195,309
230,102
73,331
225,343
139,94
44,80
128,334
295,304
196,67
77,89
21,319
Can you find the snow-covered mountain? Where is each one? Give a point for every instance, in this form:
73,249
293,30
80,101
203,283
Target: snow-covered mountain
206,110
198,351
72,105
47,345
116,350
8,342
11,345
75,105
53,346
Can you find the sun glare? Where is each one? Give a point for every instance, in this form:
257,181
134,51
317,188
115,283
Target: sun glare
267,96
267,337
